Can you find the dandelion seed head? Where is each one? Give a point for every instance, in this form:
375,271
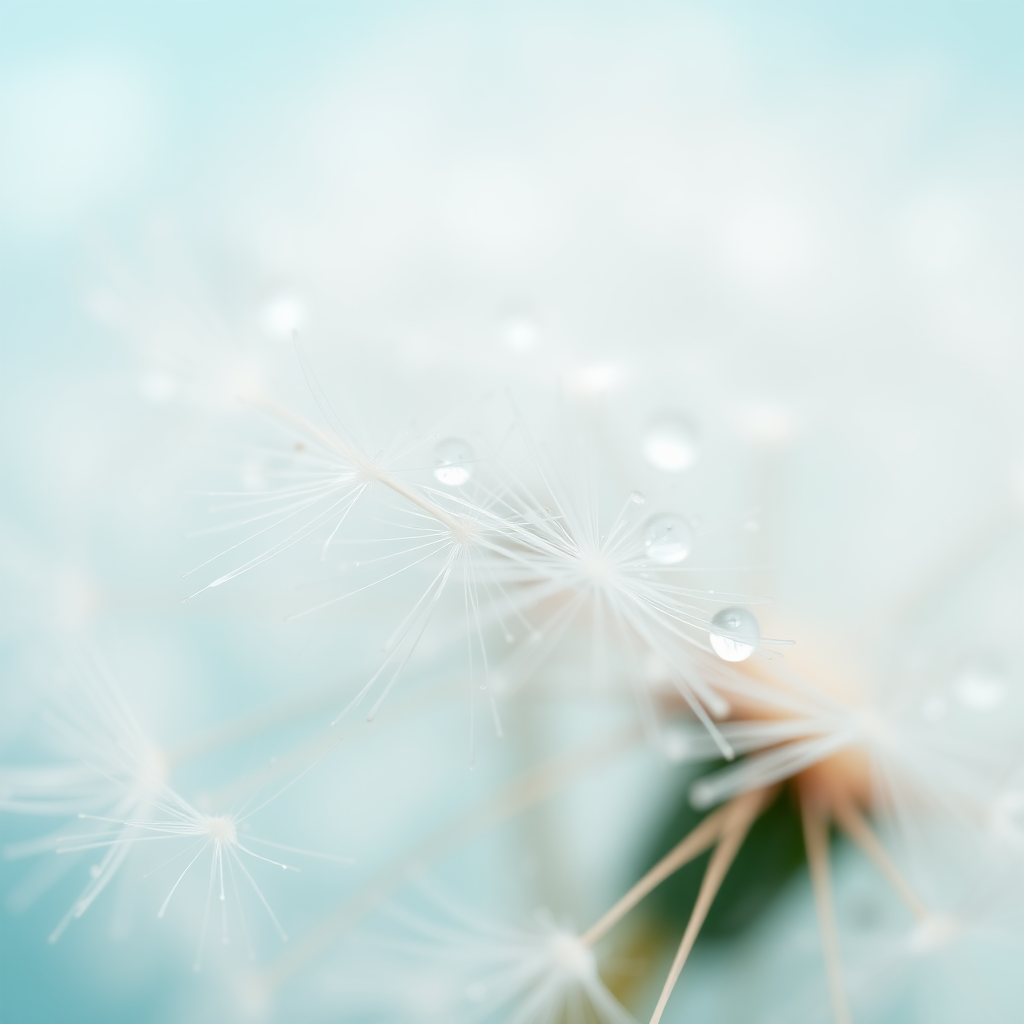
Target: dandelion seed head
571,957
221,830
597,567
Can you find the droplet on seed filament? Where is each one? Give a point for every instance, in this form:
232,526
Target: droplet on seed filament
740,625
667,539
454,461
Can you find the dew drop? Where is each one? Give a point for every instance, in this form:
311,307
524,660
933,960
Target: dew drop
637,498
667,539
455,460
670,443
741,624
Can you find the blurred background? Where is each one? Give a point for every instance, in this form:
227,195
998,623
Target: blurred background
799,225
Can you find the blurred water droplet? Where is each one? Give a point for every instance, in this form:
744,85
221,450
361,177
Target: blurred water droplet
284,314
741,625
454,461
520,332
670,443
668,539
637,498
979,688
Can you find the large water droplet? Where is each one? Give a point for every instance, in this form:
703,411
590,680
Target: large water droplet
670,443
740,625
636,497
668,539
455,460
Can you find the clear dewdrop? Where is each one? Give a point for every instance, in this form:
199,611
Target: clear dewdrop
455,460
670,443
668,539
740,623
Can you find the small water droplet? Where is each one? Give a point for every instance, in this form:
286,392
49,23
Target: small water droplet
455,460
670,443
637,498
667,539
741,625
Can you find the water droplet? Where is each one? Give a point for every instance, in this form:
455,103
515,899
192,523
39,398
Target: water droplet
979,688
454,461
283,314
667,539
520,332
637,498
670,443
741,625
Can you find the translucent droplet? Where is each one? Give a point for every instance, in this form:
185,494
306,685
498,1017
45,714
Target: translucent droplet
740,625
979,688
667,539
637,498
283,314
670,443
521,332
454,461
